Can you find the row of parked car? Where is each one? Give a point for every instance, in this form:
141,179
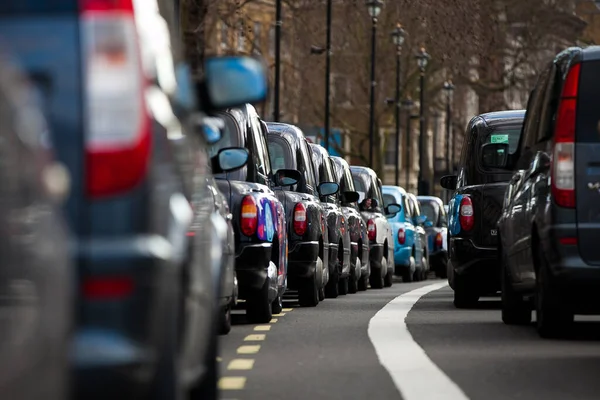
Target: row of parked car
525,208
309,224
139,202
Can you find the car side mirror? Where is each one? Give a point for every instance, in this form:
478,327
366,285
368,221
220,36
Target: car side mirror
232,81
428,224
421,219
350,196
287,177
328,188
229,159
392,209
449,182
494,155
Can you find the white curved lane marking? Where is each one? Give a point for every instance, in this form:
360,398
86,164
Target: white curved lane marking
413,373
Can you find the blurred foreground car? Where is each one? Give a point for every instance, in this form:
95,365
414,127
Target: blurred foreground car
258,216
436,228
339,237
119,109
359,240
476,204
36,283
409,247
308,271
550,222
374,213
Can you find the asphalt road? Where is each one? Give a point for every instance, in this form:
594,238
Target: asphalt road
326,353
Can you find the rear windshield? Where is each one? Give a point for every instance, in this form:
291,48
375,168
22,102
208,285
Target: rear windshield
430,210
280,154
37,6
503,134
588,115
230,137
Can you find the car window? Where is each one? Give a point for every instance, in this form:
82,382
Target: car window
262,159
360,186
280,154
588,121
305,166
348,181
230,137
430,210
388,199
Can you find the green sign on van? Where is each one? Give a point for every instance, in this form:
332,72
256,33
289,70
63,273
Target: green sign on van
499,138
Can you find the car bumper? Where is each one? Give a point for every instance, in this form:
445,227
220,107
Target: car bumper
116,341
302,262
479,263
252,267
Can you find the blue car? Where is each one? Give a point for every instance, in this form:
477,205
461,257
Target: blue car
410,249
436,227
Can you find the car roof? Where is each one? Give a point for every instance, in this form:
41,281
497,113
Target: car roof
340,161
362,170
591,53
396,189
431,199
320,149
506,117
289,132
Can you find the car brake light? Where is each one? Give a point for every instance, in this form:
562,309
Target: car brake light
107,288
372,229
401,236
438,241
563,158
300,222
467,218
249,216
117,122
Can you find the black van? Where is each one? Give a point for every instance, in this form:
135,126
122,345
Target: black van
551,221
478,189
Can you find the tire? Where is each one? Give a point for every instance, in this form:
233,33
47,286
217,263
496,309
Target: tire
343,286
464,295
376,280
331,289
515,310
322,296
277,305
441,269
353,281
363,283
417,275
553,320
388,281
225,321
258,306
425,269
308,293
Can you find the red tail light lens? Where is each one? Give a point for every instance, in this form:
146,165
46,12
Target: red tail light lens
563,158
117,129
467,215
107,288
372,230
438,241
401,236
300,222
249,216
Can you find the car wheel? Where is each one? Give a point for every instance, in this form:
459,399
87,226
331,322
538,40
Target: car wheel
425,269
441,270
553,319
388,280
277,305
225,325
376,279
363,283
308,293
464,295
258,306
331,289
354,278
343,286
515,309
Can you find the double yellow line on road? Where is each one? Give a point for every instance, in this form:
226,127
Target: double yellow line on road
232,383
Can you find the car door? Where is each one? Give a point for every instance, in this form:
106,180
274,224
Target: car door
421,233
409,226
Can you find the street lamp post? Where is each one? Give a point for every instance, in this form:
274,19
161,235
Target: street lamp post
276,94
328,74
422,60
398,36
449,89
374,8
408,105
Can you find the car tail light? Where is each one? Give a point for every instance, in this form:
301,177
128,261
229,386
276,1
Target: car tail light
372,229
467,217
563,158
438,241
117,122
300,222
107,288
401,235
249,216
